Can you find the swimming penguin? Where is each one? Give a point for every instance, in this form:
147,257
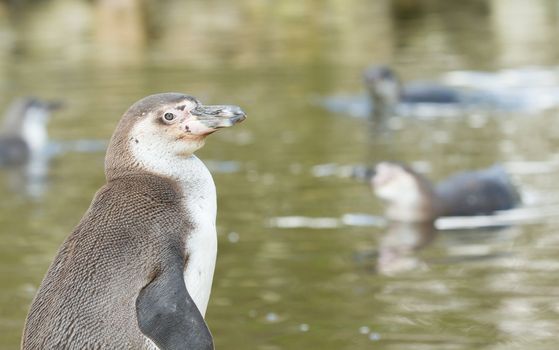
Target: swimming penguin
410,197
24,130
387,93
137,270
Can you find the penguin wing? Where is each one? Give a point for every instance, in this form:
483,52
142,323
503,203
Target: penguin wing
168,316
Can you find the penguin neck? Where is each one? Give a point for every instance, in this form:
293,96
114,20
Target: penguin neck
418,204
382,107
189,172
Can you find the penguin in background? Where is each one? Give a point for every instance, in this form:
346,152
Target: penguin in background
411,197
25,148
24,130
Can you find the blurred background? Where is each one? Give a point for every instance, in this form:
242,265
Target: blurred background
294,270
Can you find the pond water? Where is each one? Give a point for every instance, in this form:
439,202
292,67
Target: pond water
332,284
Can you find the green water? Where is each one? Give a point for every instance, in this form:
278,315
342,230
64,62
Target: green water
299,288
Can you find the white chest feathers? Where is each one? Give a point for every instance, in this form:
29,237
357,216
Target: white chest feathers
200,205
201,242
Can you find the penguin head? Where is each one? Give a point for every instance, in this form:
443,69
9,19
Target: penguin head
382,84
160,130
408,195
396,183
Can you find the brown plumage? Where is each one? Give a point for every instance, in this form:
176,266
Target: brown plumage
89,294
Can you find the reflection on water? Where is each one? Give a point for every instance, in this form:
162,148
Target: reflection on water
299,287
398,246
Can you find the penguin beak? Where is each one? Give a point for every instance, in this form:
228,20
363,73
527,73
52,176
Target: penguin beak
216,117
362,173
204,120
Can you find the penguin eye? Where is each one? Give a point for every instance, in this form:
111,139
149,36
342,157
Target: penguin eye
169,117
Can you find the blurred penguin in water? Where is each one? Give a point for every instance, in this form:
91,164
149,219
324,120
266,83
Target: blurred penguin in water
24,130
388,94
410,197
24,143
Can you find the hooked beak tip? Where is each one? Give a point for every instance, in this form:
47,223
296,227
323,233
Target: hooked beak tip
216,117
239,117
233,116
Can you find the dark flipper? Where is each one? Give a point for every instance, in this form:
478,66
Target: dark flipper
168,316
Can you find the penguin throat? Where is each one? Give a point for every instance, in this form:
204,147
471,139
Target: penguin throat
165,154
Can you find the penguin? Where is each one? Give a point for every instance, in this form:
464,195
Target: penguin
387,93
411,197
137,270
24,131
